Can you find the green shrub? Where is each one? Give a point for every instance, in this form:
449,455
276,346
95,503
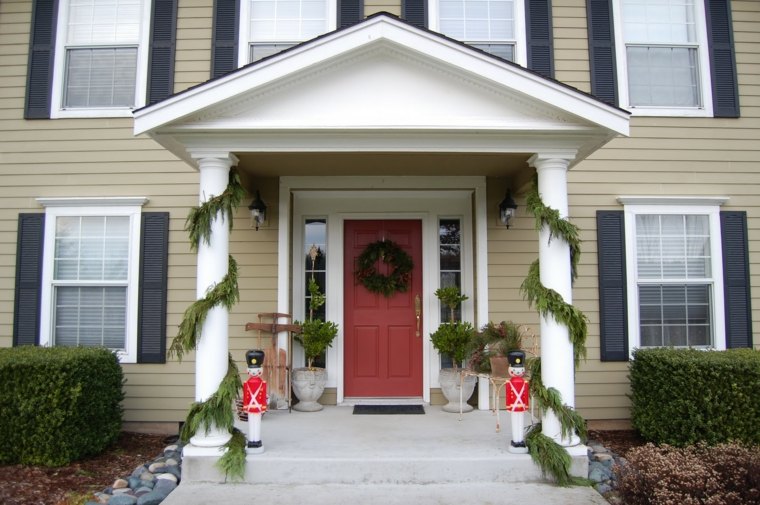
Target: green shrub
726,474
684,396
58,404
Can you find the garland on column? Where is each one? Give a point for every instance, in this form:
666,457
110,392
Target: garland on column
548,454
217,409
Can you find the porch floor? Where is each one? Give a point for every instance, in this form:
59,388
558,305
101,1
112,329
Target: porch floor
334,446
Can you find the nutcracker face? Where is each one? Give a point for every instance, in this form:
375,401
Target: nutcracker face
516,371
254,371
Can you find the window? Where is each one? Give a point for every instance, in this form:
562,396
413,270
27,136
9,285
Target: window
100,61
675,287
315,267
90,278
494,26
271,26
450,267
663,58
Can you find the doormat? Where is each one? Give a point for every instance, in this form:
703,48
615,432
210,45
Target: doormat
388,409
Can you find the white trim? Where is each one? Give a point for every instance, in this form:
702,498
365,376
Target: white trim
673,200
521,43
712,210
703,79
99,201
441,198
141,78
129,353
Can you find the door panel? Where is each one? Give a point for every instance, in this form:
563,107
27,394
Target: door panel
383,353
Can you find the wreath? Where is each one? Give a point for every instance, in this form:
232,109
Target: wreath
391,254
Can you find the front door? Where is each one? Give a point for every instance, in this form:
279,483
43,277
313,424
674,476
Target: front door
383,339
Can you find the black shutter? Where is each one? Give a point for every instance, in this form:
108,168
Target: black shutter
151,317
349,12
163,38
224,42
415,12
26,304
720,39
540,40
39,78
613,301
736,283
601,48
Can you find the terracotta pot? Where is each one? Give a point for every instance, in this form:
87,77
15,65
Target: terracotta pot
308,386
451,383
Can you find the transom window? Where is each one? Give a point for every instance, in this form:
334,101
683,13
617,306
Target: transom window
663,55
90,278
676,287
101,64
275,25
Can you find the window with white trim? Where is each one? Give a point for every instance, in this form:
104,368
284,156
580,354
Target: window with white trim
90,278
271,26
662,57
101,54
675,286
495,26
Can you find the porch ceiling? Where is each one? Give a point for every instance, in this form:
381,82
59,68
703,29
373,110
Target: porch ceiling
391,92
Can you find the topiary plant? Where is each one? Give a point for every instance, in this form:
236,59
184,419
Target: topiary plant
316,335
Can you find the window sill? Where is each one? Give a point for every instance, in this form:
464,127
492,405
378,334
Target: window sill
91,113
668,112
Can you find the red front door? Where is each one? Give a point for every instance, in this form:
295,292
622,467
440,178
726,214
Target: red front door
382,348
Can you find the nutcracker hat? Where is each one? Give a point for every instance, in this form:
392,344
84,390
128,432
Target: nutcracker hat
516,358
254,358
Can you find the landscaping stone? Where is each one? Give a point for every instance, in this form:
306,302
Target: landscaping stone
123,500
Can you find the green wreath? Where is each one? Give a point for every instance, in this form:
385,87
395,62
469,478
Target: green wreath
391,254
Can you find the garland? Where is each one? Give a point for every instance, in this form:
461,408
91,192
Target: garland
217,409
551,457
391,254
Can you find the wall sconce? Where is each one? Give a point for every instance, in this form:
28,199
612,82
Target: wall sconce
258,211
507,209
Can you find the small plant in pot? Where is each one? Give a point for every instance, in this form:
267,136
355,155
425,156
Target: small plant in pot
489,348
315,337
453,338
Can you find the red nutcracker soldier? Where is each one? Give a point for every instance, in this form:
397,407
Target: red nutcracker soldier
518,393
254,400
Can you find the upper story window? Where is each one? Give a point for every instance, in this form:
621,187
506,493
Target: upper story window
100,60
675,286
270,26
495,26
662,57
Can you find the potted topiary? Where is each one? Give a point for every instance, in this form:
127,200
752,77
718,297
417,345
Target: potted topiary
453,338
315,337
488,349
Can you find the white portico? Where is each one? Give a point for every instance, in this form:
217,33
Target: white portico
374,113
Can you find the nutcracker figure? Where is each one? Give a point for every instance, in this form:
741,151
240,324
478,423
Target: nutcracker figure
518,393
254,399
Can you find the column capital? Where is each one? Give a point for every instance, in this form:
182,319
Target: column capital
203,157
539,160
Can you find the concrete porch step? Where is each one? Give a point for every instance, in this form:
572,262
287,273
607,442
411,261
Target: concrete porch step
335,447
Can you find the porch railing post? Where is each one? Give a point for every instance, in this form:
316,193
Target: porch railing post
557,367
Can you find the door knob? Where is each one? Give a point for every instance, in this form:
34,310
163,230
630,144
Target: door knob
418,311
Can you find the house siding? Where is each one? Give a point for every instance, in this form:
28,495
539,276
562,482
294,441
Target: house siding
101,157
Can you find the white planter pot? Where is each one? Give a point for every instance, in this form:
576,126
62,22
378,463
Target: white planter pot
308,386
451,383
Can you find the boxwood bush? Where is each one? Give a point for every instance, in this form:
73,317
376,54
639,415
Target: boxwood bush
58,404
684,396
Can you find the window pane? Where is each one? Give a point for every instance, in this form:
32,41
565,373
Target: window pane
478,21
285,21
104,22
663,76
675,315
90,316
100,77
315,261
673,247
91,248
450,260
659,21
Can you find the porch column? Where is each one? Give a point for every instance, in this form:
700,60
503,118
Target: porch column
211,357
557,366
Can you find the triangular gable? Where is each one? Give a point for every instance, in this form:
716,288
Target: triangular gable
381,75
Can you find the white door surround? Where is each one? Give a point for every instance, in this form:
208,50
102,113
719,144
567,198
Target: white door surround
452,199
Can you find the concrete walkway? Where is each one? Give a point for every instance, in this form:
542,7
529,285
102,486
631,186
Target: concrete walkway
333,456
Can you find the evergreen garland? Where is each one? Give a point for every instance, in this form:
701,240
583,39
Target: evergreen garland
551,457
217,409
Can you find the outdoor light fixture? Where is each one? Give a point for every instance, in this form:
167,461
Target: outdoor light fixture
258,211
507,209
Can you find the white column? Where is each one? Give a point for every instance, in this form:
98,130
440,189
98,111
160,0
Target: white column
211,357
557,366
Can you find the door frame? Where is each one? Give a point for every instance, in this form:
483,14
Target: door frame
299,201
